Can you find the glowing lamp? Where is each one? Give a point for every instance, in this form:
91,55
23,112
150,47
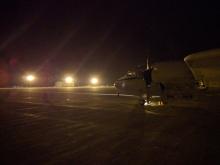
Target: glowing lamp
68,80
30,78
94,81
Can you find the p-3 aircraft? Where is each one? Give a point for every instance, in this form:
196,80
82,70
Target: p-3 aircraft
176,79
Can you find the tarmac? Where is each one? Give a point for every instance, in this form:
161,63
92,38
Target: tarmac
92,125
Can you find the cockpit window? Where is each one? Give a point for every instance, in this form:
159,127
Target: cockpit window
131,74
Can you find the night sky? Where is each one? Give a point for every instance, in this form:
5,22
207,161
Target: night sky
100,37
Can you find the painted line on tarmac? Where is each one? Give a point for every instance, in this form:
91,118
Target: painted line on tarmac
61,105
32,115
27,108
90,93
105,94
76,87
84,93
152,113
99,94
41,117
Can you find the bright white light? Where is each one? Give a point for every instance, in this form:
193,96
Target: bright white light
147,103
94,81
155,101
68,80
30,78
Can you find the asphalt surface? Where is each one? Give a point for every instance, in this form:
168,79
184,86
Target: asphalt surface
95,126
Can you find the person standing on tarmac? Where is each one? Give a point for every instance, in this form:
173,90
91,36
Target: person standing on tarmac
162,94
147,74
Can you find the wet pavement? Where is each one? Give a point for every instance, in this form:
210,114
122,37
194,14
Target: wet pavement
95,126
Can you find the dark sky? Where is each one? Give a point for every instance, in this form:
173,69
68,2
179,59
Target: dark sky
102,37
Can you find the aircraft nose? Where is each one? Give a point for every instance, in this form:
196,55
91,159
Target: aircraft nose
119,84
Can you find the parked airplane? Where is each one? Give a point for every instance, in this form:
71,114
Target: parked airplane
175,78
